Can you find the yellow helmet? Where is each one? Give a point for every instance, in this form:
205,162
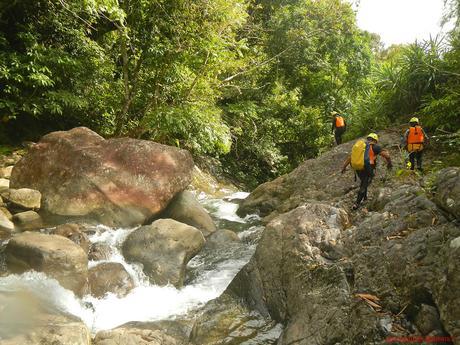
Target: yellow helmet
373,136
334,113
414,120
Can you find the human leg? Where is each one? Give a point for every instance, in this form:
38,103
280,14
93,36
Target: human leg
338,137
365,178
418,156
412,160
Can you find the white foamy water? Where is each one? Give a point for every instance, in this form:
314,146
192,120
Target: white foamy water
211,272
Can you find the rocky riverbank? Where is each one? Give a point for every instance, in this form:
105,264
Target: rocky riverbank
72,182
331,276
321,274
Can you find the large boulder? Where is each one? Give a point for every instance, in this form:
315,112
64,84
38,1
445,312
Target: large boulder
225,320
4,184
109,277
25,320
6,225
448,190
135,336
186,209
6,172
54,255
316,179
393,274
74,233
23,198
28,220
119,182
52,329
222,238
164,248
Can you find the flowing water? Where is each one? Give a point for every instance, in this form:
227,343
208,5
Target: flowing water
209,273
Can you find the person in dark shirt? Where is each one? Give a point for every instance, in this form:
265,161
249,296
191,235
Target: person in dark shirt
339,126
365,175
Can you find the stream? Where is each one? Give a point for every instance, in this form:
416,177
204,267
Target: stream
208,275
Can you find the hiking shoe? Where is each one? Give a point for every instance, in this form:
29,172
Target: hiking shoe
355,207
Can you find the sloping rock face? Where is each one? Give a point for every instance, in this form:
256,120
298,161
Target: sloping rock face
332,276
118,182
54,255
145,333
315,180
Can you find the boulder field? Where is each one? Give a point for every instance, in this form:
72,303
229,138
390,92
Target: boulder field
321,274
328,275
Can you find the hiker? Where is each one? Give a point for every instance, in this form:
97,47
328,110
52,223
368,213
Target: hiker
363,160
415,137
338,126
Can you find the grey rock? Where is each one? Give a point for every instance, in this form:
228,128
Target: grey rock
74,233
186,209
99,251
222,238
4,184
24,198
448,190
54,255
164,248
28,220
6,172
6,224
427,319
109,277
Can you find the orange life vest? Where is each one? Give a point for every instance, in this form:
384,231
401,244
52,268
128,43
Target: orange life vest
372,156
339,122
415,139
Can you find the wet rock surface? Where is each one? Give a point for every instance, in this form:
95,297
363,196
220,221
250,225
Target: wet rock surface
109,277
24,320
387,271
54,255
186,209
75,233
164,249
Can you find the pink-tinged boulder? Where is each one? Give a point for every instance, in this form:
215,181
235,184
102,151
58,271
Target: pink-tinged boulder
118,182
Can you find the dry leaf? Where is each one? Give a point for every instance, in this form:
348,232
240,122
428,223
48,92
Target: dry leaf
375,305
368,296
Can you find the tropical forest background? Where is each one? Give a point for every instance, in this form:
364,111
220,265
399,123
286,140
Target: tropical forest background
250,83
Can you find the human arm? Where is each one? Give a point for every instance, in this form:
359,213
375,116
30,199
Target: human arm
345,164
333,124
386,155
426,137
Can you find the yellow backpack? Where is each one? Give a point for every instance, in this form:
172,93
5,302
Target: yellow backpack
357,155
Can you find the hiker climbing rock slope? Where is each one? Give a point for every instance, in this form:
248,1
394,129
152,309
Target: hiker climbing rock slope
389,271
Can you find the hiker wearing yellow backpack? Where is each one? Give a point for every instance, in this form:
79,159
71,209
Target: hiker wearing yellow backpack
363,160
339,126
415,138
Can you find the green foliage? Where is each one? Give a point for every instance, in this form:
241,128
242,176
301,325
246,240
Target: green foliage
252,82
309,58
416,79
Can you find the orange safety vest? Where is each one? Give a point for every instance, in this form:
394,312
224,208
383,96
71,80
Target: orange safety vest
339,122
371,155
415,139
